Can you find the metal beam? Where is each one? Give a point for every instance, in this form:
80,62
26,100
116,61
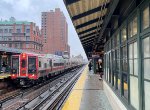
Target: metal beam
91,29
88,12
91,37
88,41
111,8
87,23
68,2
93,33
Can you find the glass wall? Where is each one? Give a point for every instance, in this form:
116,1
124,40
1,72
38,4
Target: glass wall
146,61
130,59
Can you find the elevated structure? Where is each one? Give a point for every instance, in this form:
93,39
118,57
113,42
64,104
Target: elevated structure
120,30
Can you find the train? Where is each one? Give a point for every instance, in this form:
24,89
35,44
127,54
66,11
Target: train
27,68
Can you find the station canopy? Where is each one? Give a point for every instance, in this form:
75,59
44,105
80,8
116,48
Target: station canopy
88,17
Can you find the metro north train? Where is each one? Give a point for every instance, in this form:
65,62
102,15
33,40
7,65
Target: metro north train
27,69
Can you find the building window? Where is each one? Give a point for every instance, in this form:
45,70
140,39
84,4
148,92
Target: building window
6,31
145,18
27,30
1,30
132,27
10,30
27,38
18,30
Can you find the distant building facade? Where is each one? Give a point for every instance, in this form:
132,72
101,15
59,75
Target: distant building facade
20,35
54,32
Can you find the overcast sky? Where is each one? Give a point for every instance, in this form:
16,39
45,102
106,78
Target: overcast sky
30,10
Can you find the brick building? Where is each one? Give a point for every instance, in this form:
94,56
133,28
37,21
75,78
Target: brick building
54,32
21,35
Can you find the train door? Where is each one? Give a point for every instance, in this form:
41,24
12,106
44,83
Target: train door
15,65
23,65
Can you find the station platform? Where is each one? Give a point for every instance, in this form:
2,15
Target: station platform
87,94
4,75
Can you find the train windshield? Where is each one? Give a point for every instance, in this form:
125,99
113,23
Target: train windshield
15,63
31,64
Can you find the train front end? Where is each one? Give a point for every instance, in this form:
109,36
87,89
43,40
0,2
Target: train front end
24,68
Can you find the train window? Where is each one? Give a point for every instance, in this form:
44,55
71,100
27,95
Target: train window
31,63
45,65
23,63
39,63
145,18
15,63
49,63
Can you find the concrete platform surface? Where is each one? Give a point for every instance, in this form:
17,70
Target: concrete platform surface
87,94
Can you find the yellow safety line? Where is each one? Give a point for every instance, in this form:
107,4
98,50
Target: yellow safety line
74,99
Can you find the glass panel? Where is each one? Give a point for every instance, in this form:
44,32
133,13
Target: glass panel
135,50
147,95
135,67
130,51
125,66
125,85
119,82
125,52
134,95
131,66
130,29
123,35
31,65
147,69
134,26
15,63
23,63
146,47
146,18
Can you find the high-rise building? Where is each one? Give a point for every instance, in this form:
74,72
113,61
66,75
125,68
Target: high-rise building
21,35
54,32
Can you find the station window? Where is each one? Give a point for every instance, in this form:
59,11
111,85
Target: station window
145,18
132,27
133,67
146,60
133,62
123,35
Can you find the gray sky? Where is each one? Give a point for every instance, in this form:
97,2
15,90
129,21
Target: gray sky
30,10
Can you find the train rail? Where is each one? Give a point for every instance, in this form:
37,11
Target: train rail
25,98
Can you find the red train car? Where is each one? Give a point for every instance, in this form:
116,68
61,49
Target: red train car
29,68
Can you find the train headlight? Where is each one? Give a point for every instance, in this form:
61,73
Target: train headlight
13,75
33,75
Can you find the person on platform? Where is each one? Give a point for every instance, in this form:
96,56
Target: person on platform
100,69
90,66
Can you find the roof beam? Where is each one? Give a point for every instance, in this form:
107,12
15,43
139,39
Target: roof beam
87,23
93,33
88,41
87,38
87,44
88,12
68,2
91,29
112,8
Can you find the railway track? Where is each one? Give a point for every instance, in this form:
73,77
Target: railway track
25,98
